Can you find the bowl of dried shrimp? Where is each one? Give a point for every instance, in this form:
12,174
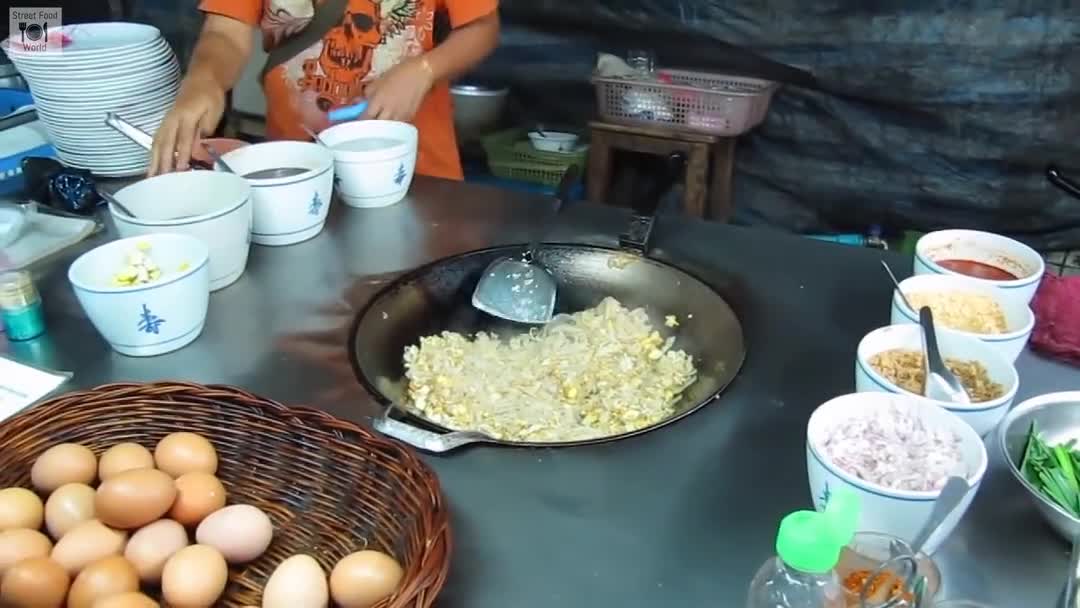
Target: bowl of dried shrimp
890,359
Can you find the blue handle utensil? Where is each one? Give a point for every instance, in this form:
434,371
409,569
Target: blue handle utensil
348,112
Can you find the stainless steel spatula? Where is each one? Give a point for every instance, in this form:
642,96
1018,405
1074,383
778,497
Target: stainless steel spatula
521,289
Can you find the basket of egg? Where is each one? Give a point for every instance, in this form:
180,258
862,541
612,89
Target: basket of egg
133,494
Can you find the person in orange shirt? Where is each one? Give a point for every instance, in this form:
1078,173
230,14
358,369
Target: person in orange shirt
381,51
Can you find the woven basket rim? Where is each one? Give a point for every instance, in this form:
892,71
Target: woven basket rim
433,562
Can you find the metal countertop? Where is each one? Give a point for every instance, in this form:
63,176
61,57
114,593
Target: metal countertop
680,517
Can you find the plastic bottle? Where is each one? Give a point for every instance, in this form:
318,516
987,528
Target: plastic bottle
808,545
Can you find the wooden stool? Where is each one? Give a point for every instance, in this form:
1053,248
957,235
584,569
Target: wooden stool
704,197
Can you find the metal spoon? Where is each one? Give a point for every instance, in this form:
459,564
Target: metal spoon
315,136
116,203
125,128
522,290
941,384
1070,593
952,494
271,173
217,158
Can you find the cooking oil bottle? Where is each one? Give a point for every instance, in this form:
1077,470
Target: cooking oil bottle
808,545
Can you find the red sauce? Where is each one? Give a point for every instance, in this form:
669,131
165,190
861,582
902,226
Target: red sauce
978,270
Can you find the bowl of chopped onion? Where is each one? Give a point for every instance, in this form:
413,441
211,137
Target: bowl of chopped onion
890,359
896,452
968,306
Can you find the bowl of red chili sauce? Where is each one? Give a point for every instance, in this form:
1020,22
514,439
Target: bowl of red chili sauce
1006,264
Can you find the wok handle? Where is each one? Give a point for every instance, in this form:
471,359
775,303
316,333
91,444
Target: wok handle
1065,184
638,233
562,195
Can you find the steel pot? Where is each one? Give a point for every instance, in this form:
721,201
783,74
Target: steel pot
478,108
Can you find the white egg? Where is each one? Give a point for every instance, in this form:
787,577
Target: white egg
298,582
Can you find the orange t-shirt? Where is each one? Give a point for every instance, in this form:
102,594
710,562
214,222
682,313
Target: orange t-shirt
374,36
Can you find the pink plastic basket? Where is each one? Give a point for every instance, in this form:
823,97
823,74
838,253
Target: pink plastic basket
710,103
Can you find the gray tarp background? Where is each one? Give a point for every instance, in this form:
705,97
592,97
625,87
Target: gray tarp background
918,114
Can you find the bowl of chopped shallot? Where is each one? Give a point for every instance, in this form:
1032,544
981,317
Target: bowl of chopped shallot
968,306
896,452
890,359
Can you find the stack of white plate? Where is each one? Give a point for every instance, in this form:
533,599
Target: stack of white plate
125,68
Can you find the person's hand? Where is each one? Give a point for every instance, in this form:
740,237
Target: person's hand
397,94
198,109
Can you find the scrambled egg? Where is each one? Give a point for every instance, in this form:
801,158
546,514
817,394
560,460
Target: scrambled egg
597,373
139,268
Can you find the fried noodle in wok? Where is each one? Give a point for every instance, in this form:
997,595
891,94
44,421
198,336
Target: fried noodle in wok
596,373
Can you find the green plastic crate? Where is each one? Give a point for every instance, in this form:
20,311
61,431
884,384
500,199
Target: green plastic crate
511,155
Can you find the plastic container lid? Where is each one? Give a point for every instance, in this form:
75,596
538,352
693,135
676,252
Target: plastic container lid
806,542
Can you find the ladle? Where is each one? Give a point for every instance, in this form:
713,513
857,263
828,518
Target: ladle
138,136
271,173
940,383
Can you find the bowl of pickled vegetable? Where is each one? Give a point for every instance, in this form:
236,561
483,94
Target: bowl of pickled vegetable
1039,440
890,359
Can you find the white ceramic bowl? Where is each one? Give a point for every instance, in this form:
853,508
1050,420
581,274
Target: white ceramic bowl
146,320
897,512
553,141
983,417
1019,320
374,160
986,248
290,209
215,207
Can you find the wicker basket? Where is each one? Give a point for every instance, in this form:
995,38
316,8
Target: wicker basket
511,155
329,486
710,103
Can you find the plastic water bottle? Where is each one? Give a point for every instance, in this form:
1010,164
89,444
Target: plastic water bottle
808,545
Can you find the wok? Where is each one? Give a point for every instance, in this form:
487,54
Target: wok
437,297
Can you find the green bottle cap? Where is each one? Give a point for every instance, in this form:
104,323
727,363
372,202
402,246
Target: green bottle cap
807,542
843,512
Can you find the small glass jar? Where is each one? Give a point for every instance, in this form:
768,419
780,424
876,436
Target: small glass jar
870,550
20,306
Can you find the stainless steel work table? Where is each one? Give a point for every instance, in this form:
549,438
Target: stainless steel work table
679,517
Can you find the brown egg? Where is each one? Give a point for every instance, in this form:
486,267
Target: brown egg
64,463
135,498
364,578
152,546
194,577
197,495
85,543
124,457
109,576
17,545
131,599
20,508
181,453
68,506
38,582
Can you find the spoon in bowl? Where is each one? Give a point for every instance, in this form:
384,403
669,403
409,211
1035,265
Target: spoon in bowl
314,136
940,383
115,203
